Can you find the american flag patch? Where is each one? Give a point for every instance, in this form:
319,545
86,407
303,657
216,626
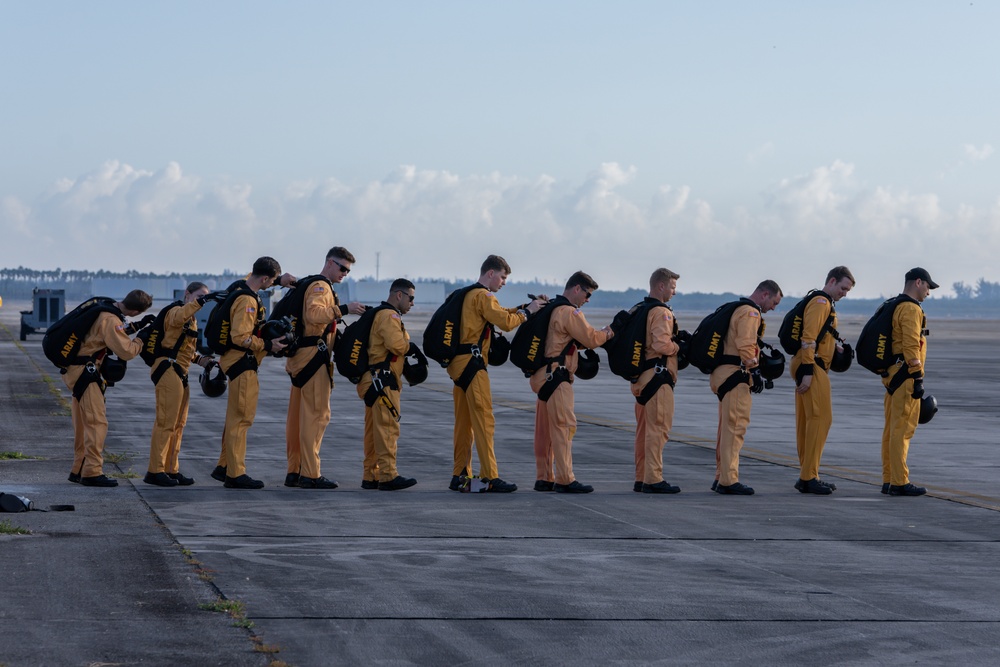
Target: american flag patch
820,299
318,288
251,309
396,315
754,313
120,327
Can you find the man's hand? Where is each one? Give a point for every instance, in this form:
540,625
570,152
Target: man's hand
217,297
286,280
536,304
804,385
137,325
356,308
206,360
275,344
609,331
757,385
918,389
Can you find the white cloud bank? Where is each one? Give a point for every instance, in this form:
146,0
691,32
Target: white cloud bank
977,154
439,224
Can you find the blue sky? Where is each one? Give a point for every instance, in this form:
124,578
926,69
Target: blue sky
728,141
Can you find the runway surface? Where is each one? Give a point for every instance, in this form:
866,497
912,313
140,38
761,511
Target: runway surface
429,576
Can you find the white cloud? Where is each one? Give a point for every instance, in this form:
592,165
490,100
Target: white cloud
440,224
977,154
758,154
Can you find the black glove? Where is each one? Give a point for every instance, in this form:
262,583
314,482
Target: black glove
212,296
683,337
758,381
918,388
132,327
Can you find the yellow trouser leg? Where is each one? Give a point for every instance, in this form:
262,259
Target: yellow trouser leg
902,412
293,438
653,423
562,428
169,402
241,409
813,418
369,470
734,417
462,434
173,464
90,424
543,443
385,431
479,405
313,417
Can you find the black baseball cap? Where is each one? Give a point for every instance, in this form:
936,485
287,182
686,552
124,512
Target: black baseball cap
915,273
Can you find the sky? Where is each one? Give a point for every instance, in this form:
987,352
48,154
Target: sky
728,141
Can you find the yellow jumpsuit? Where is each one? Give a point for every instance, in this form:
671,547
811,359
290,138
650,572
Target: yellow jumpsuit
309,406
474,406
814,409
172,393
241,406
555,421
901,409
90,421
654,420
389,339
734,409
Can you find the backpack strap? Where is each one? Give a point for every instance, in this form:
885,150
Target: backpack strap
320,359
661,377
736,379
247,362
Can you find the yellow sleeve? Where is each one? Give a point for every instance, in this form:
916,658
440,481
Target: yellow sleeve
113,332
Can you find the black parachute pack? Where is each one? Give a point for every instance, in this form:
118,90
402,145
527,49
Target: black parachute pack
707,341
790,332
874,348
153,347
442,336
63,340
527,349
350,353
627,349
219,320
290,306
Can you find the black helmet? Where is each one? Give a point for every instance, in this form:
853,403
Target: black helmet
683,340
213,380
113,369
842,360
772,365
499,349
589,364
279,328
414,366
928,408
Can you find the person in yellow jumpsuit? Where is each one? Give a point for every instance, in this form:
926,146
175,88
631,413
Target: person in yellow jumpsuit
810,368
169,373
240,365
732,384
388,344
654,419
473,401
312,374
555,420
90,421
902,399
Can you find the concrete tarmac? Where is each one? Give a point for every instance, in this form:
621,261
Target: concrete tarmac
429,576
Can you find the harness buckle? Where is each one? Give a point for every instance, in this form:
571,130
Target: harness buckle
476,352
90,367
658,368
321,345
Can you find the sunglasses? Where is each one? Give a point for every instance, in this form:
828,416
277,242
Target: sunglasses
589,294
343,269
406,295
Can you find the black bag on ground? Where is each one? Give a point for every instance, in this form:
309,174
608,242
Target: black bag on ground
443,332
11,503
63,340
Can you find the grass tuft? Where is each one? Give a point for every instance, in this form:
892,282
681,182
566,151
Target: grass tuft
112,457
236,610
14,455
7,528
